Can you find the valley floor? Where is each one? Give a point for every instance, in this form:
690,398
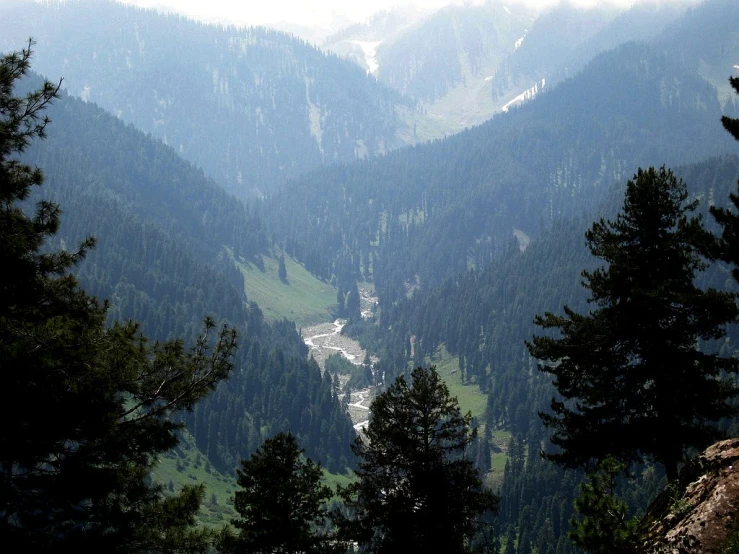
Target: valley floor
325,339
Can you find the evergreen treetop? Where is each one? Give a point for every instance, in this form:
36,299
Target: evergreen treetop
728,219
281,502
633,379
416,490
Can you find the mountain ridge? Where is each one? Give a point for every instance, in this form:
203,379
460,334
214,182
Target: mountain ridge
250,106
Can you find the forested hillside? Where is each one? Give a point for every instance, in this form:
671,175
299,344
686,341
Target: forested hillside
563,39
434,227
496,55
250,106
165,234
704,40
483,318
225,153
421,215
473,40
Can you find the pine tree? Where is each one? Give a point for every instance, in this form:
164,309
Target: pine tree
633,380
729,220
604,526
416,489
353,304
86,409
281,502
281,269
340,309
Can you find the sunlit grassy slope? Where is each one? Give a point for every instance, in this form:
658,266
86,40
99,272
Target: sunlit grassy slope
472,399
185,465
304,299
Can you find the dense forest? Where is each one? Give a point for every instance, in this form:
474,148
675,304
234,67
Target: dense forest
202,170
425,214
290,107
160,259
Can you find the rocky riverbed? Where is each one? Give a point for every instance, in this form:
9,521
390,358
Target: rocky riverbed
325,339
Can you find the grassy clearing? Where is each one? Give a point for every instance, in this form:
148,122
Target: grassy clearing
333,479
185,465
498,458
470,397
304,299
494,477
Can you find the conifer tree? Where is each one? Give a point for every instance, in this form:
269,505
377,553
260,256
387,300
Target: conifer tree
353,303
86,409
340,309
604,526
633,380
416,490
281,502
282,269
728,219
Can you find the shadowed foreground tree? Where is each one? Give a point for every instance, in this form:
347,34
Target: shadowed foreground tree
86,409
728,219
282,503
605,525
416,491
635,383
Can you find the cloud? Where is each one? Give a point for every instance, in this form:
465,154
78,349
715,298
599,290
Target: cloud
322,12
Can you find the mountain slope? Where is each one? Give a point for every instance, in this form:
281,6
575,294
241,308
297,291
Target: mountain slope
252,107
427,213
547,45
165,237
466,63
706,39
443,59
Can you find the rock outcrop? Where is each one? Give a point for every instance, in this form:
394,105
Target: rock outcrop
699,512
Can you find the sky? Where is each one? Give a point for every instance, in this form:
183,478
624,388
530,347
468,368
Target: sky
313,12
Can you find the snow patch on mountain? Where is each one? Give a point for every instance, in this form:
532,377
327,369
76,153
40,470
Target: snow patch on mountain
519,42
528,94
314,116
369,48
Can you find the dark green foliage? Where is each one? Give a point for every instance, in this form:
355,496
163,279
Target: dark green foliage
547,162
360,376
353,307
87,410
340,308
281,502
166,235
416,490
633,379
282,270
725,217
337,363
278,389
604,526
485,315
732,124
425,214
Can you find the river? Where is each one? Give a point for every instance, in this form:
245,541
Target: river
325,339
